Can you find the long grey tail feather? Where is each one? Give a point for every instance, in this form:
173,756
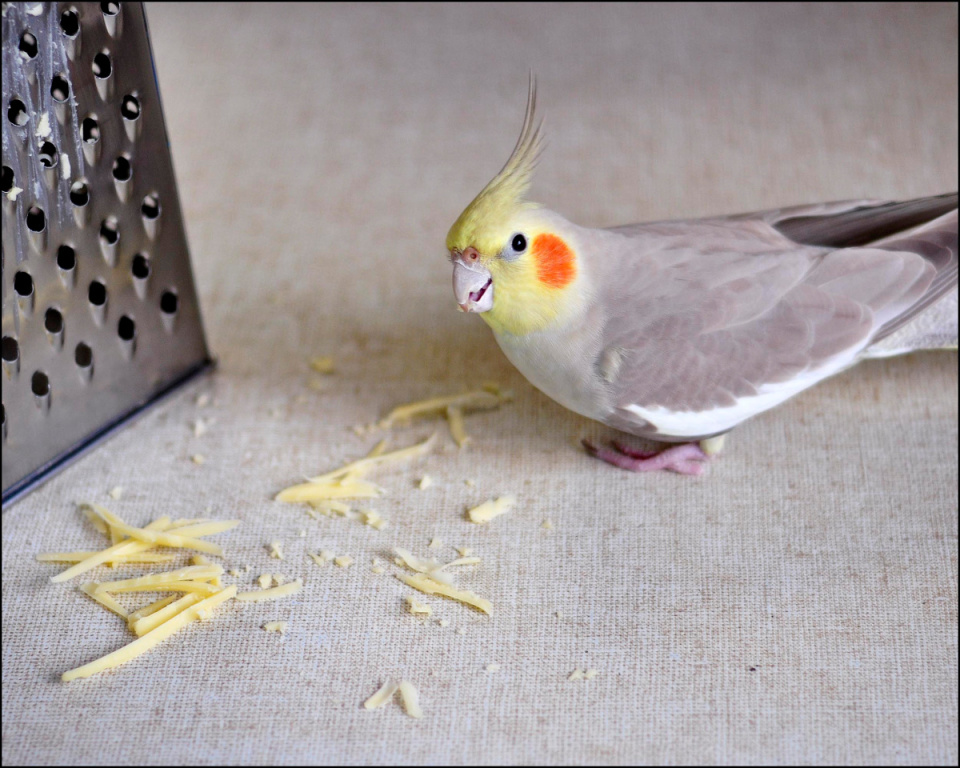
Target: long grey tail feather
867,223
926,226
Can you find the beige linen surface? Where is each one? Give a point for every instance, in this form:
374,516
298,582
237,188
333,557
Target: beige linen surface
796,605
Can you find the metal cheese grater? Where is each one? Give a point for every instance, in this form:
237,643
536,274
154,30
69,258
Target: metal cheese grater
100,313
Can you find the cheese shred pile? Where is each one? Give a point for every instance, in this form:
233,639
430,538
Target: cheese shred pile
196,589
324,493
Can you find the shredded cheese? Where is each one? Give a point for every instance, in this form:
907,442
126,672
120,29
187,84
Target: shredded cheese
382,696
323,491
153,607
107,601
431,586
276,626
290,588
151,639
275,550
590,674
115,493
265,580
344,561
577,674
547,525
491,509
198,458
493,667
417,608
478,400
146,624
425,482
464,551
323,365
77,557
435,543
457,428
159,580
410,698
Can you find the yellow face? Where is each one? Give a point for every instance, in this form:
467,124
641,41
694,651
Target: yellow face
516,280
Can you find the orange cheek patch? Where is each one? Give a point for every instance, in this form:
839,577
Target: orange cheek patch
555,262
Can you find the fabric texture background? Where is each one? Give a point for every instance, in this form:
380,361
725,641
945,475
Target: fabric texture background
796,605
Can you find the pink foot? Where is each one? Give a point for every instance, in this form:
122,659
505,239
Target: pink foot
685,459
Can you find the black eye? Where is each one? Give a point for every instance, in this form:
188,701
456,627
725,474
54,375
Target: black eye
519,243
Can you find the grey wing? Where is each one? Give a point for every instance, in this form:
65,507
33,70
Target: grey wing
728,317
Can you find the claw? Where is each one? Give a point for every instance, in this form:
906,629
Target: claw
685,459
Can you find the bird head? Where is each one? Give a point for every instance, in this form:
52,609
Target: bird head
513,261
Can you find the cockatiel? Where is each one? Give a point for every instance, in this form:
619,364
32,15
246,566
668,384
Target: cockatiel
678,331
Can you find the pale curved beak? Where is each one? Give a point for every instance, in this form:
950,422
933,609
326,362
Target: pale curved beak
472,286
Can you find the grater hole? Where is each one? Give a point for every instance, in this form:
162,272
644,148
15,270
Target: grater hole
66,258
151,207
10,350
126,328
122,170
53,321
23,284
17,112
7,179
79,194
36,219
40,384
130,107
110,9
83,355
90,130
48,155
110,230
97,293
60,88
70,22
140,267
169,303
28,46
102,66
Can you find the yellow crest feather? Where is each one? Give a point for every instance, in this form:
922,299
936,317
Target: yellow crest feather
483,222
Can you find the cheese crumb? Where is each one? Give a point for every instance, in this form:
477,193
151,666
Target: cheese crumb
278,579
493,667
435,543
275,550
590,674
377,569
198,458
425,482
443,622
319,559
199,428
417,608
470,483
65,170
203,400
577,674
344,561
14,193
302,534
115,493
547,525
461,631
491,509
410,698
265,581
43,126
464,551
276,626
382,696
323,365
234,572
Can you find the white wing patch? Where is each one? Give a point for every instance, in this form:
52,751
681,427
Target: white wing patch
698,423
